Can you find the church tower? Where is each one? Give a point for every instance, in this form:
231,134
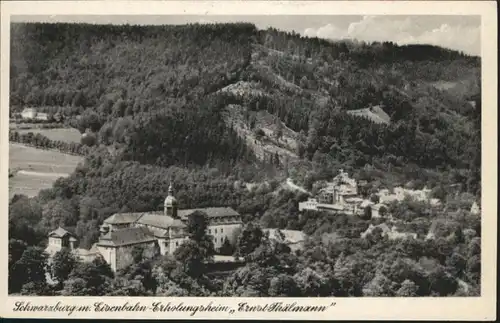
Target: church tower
170,207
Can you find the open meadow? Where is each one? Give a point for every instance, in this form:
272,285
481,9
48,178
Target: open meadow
35,169
63,134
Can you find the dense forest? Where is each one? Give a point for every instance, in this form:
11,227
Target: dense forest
152,100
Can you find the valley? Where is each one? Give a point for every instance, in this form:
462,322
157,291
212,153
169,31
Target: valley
248,127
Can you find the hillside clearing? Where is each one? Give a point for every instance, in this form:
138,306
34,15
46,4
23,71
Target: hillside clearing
36,169
268,145
375,114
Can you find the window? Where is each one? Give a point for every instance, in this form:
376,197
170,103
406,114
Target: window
209,231
215,239
215,231
221,230
176,244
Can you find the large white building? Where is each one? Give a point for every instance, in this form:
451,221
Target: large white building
156,230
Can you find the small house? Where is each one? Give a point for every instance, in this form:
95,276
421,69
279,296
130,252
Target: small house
29,113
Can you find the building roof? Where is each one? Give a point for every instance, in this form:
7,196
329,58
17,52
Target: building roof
330,206
29,110
211,212
126,237
60,233
123,218
221,258
159,220
85,252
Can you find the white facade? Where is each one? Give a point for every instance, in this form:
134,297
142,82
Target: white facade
220,232
310,204
109,254
29,113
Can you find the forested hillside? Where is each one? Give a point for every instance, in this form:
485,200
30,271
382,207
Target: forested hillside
123,81
199,104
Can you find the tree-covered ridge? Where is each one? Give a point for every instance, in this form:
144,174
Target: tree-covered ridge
152,75
87,65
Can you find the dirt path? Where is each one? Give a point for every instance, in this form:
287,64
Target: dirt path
292,185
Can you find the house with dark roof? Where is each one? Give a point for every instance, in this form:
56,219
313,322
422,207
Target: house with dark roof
61,238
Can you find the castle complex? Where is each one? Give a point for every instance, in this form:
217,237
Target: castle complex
341,196
162,231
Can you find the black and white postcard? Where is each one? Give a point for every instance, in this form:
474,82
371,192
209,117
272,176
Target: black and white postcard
236,160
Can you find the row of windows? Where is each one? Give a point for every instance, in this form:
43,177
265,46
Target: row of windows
221,239
215,231
224,219
215,238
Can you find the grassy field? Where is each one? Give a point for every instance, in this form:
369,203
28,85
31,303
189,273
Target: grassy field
62,134
36,169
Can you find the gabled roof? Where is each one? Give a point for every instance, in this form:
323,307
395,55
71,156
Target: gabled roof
159,220
211,212
126,237
123,218
60,233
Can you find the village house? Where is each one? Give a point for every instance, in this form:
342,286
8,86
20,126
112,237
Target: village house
475,210
155,231
61,238
378,210
32,114
28,113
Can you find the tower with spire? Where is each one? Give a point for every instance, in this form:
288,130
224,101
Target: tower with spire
170,206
